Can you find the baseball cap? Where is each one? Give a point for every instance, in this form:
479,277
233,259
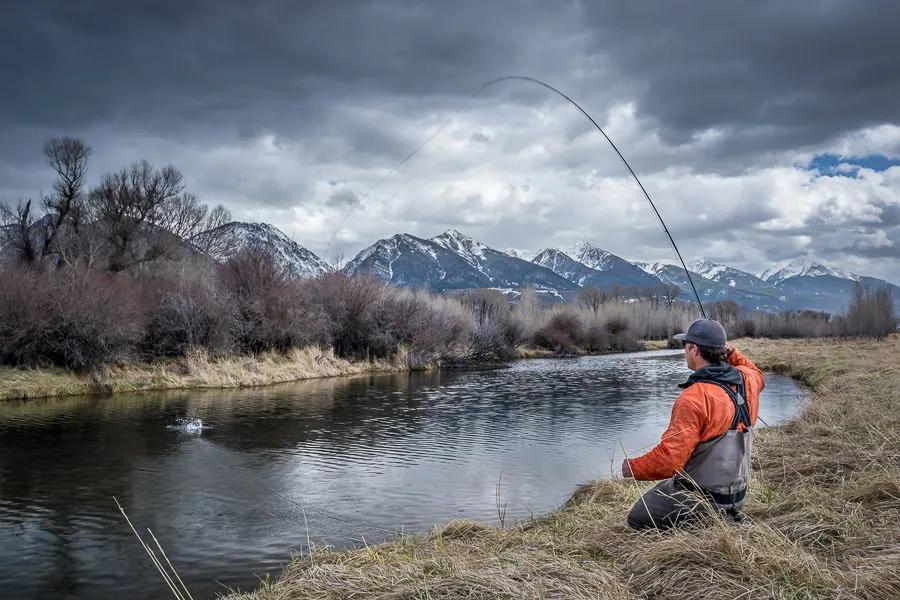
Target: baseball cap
704,332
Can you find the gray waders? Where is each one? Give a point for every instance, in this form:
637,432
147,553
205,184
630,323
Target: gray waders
714,479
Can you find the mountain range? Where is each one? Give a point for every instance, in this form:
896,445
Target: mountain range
453,260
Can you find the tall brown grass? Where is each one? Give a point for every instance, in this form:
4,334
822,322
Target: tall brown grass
824,503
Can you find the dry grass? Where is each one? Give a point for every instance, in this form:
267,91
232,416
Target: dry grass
825,504
196,370
656,344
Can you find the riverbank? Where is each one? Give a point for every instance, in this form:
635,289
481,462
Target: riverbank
196,370
824,502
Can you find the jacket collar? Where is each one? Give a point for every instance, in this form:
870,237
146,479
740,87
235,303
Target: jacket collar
723,373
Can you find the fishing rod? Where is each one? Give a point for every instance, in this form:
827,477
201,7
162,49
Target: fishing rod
544,84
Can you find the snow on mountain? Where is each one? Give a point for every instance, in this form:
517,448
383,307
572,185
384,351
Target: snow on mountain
505,271
471,251
707,269
730,276
595,258
521,254
451,261
802,267
652,268
405,259
287,253
589,266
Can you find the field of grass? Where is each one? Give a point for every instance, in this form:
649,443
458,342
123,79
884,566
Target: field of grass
197,370
824,502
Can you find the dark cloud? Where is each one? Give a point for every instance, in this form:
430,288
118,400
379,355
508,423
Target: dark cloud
262,103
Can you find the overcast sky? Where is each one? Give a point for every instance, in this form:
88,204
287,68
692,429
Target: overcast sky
764,131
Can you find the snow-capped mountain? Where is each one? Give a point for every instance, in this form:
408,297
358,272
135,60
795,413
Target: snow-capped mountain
407,260
804,268
602,268
714,291
505,271
451,260
730,276
814,285
237,235
519,253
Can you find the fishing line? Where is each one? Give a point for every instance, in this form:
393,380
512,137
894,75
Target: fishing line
547,86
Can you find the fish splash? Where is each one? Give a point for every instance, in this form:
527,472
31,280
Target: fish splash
193,425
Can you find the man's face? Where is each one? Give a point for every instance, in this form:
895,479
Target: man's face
691,355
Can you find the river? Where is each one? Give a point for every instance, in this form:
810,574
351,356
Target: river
351,459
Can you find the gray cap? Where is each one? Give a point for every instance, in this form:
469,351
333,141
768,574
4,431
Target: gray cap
704,332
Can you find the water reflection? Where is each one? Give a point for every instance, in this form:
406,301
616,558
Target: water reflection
361,456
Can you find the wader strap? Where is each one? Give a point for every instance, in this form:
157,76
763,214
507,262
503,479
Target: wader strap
723,499
739,399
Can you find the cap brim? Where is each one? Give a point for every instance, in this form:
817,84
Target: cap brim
680,337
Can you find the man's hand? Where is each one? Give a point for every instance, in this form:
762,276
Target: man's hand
626,469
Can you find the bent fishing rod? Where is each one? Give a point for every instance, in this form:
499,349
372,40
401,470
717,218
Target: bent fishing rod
566,97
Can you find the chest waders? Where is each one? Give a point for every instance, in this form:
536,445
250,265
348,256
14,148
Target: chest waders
720,468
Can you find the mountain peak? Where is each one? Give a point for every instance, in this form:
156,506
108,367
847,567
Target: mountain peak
804,267
590,255
472,251
707,268
287,253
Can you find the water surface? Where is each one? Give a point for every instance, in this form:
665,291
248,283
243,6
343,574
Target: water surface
362,457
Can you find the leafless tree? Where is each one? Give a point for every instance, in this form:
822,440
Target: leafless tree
214,238
17,232
144,214
593,298
871,313
64,208
670,293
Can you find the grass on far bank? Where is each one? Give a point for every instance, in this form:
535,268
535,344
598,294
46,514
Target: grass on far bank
824,502
196,370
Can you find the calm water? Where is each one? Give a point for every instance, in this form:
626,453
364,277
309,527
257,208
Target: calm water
363,456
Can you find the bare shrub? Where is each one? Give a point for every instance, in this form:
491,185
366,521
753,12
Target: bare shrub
71,318
350,305
189,314
271,310
490,341
562,334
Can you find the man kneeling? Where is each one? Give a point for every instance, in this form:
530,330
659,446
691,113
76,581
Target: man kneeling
704,455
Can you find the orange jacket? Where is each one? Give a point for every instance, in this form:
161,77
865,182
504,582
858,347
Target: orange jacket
702,412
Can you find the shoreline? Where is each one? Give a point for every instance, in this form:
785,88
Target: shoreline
198,370
824,505
195,371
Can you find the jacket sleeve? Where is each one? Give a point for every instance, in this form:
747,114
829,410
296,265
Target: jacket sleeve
678,441
737,359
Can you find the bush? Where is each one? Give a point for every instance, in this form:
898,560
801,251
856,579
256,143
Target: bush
189,315
72,318
272,311
562,334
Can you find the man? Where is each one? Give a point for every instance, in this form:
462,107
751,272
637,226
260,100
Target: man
704,455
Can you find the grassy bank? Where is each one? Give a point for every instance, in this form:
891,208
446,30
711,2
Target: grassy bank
195,370
825,504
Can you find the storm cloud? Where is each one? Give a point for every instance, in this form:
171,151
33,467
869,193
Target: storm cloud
290,112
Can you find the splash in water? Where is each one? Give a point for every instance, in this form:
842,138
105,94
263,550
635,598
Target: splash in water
194,425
